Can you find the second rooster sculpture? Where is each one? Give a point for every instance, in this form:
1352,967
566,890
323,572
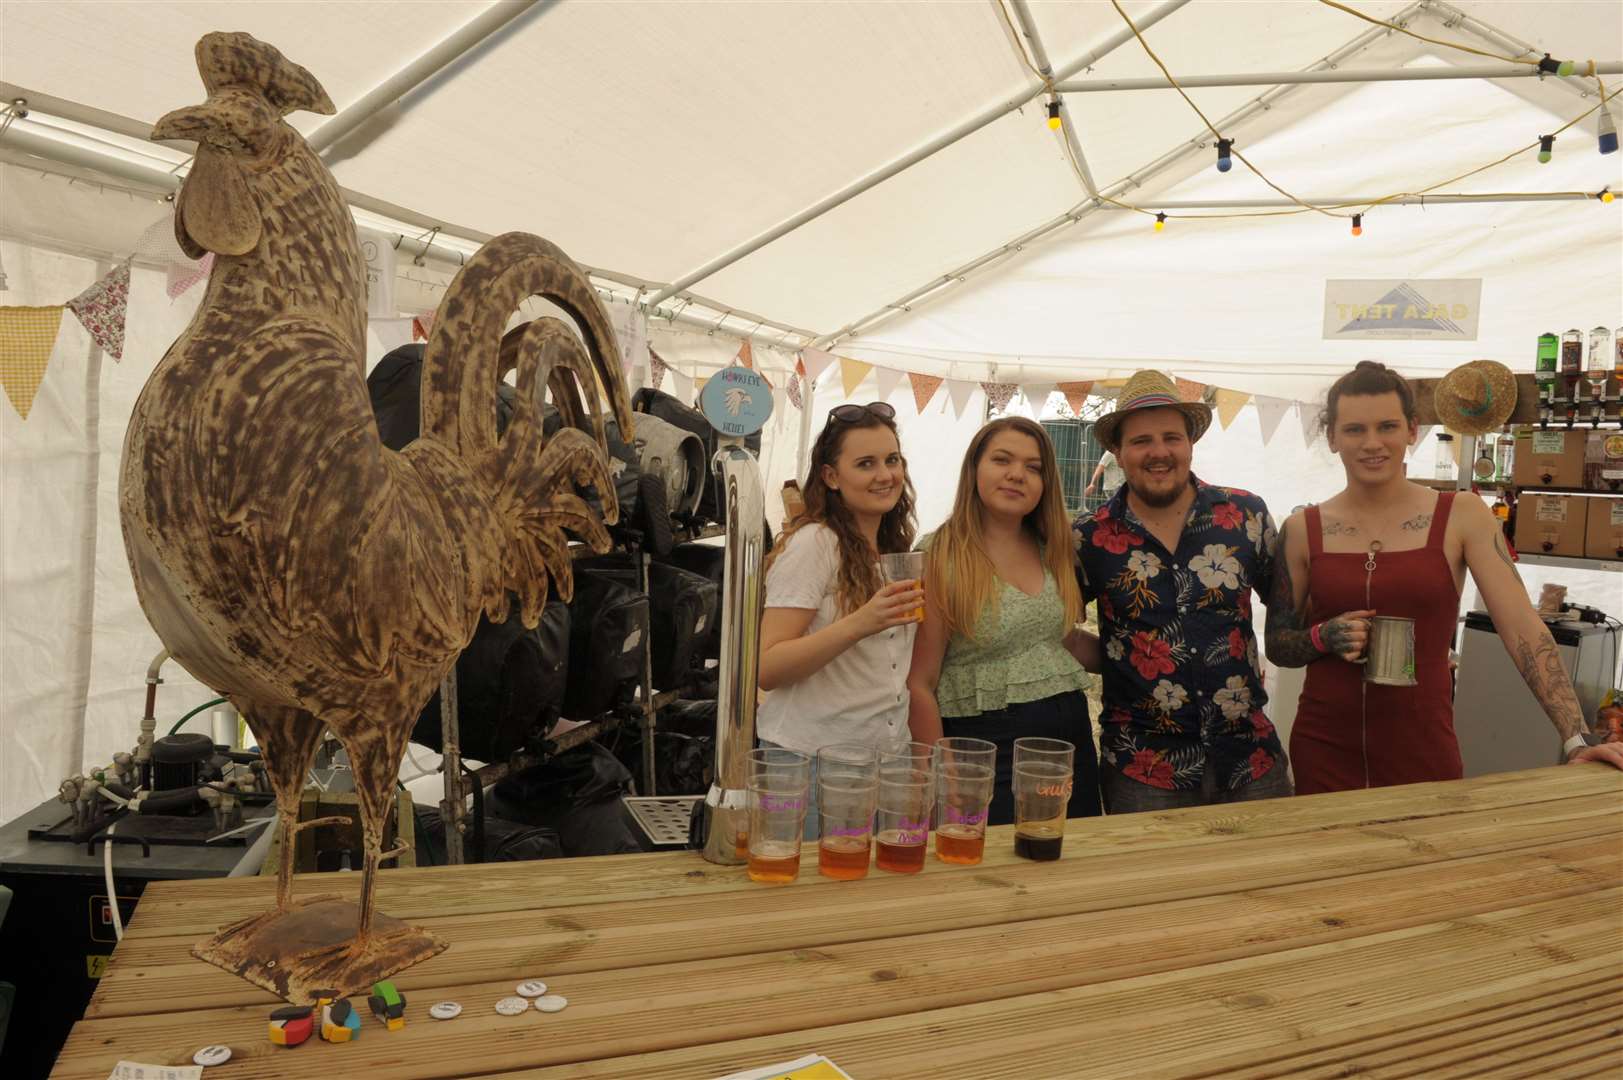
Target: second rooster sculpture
284,555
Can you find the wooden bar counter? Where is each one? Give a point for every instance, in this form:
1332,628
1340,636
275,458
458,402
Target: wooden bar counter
1473,927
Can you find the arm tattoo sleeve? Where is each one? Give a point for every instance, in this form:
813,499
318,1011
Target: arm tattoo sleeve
1540,665
1286,639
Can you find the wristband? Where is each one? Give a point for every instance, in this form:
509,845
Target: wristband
1313,636
1577,742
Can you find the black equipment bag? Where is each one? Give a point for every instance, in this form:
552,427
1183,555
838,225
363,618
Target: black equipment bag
670,409
609,634
683,609
706,560
510,686
625,468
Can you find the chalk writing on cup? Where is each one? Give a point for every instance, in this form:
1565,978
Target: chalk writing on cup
958,817
774,803
1062,790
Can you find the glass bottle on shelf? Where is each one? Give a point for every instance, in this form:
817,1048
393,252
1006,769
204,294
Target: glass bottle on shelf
1445,457
1482,469
1601,360
1548,362
1504,452
1617,368
1572,353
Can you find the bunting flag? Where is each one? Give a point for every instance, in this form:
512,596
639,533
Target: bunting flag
1270,411
852,372
779,396
421,325
391,333
1421,433
183,277
959,391
815,362
1191,391
682,388
656,369
1037,397
1076,395
924,388
27,336
887,380
998,394
102,309
1229,404
698,389
794,390
1310,424
746,355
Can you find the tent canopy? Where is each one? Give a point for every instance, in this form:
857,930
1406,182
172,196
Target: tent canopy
652,139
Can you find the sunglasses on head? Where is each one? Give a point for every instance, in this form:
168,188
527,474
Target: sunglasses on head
851,414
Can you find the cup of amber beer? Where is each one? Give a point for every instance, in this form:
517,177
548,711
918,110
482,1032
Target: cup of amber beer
905,566
779,781
847,790
1043,770
902,818
965,770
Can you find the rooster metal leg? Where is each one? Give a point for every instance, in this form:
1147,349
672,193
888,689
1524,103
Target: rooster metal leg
288,740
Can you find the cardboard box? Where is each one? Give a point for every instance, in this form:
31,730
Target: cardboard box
1603,461
1549,458
1551,524
1603,539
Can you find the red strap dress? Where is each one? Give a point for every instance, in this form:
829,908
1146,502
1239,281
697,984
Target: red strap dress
1352,734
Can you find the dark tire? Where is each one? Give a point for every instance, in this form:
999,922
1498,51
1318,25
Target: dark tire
656,516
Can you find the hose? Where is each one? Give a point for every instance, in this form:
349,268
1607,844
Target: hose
194,712
107,873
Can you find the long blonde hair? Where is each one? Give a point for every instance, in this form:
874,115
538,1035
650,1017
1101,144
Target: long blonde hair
959,574
858,578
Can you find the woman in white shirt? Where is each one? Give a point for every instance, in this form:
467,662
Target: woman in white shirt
835,639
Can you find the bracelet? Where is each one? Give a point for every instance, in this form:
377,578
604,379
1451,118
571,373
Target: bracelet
1313,636
1577,742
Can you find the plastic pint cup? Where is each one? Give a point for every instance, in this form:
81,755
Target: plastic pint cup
902,820
1043,770
905,566
965,770
778,786
847,789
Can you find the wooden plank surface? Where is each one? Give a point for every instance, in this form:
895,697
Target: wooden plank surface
1427,930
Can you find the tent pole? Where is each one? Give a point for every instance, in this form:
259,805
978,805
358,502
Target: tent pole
1344,201
391,90
1261,103
963,130
1451,16
1289,78
1028,27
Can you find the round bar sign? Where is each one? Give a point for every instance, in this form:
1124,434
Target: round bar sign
736,401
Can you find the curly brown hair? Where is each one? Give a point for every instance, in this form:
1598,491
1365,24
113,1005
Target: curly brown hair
859,576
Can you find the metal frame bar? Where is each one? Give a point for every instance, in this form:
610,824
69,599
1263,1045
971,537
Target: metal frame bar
1346,201
1028,27
1261,103
456,45
1347,75
906,161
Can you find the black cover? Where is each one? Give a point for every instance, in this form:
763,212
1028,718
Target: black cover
510,686
670,409
625,466
609,631
576,793
683,610
707,561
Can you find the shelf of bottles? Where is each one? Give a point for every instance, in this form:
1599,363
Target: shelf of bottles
1580,377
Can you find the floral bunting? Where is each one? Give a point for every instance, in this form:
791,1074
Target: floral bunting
998,394
924,388
103,308
27,336
1229,404
421,325
656,369
852,372
1076,395
1191,391
794,390
1310,426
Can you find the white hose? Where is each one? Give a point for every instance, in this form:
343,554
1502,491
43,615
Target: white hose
107,870
117,799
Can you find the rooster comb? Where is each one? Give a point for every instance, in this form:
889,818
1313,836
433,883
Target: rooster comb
242,61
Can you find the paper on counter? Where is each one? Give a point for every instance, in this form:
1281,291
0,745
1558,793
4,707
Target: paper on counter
810,1067
134,1070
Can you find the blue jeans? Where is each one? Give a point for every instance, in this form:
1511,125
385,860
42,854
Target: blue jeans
1063,716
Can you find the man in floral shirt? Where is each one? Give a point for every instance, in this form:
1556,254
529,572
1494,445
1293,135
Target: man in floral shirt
1173,562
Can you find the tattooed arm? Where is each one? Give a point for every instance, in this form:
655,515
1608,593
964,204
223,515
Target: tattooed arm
1288,637
1526,637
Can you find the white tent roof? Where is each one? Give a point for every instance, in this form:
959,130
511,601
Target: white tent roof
651,138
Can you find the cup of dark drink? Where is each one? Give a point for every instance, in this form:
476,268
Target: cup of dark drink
1043,771
902,817
965,774
847,787
779,782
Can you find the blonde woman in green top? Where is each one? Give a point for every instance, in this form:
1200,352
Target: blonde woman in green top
1000,655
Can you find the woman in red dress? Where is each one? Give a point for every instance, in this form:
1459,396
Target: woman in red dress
1386,546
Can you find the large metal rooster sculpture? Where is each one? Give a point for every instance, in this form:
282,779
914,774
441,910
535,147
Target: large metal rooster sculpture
282,553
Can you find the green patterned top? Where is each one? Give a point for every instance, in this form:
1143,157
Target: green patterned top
1016,655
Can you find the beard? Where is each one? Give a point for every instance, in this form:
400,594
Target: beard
1159,499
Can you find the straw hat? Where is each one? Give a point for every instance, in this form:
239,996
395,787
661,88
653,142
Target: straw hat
1151,390
1475,398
